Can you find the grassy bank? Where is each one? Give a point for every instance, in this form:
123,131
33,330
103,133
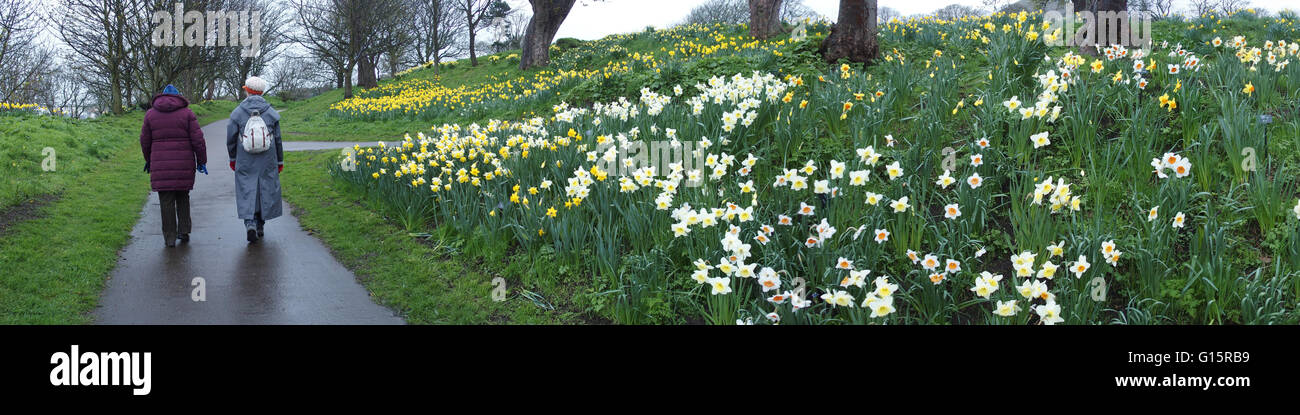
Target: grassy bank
62,229
433,280
55,264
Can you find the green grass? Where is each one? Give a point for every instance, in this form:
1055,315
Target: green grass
438,282
55,265
75,218
310,119
215,110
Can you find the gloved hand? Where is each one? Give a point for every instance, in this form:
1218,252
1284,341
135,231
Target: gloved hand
203,168
146,167
232,166
281,169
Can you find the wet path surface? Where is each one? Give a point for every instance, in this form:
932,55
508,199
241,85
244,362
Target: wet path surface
287,278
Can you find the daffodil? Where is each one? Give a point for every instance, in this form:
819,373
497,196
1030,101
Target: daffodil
1049,313
838,298
881,235
945,180
1040,139
894,170
720,286
951,211
899,205
1048,270
879,307
1079,267
930,262
1007,308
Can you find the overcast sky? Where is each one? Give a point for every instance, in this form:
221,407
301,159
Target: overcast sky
598,19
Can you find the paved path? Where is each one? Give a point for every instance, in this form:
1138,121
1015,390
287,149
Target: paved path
287,278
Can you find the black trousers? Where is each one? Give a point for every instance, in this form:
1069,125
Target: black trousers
175,213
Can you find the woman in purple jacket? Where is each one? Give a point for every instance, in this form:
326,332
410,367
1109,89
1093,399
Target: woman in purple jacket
173,146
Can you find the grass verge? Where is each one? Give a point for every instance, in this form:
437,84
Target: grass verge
55,265
430,281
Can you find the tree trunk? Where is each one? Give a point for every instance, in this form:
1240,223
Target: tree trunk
764,18
473,59
1102,28
366,72
347,81
854,34
547,17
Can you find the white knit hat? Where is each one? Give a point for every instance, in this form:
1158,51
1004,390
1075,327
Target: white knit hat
256,84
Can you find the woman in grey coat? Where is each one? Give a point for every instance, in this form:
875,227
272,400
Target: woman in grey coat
257,176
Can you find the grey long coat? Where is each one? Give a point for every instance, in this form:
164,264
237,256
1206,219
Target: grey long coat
257,177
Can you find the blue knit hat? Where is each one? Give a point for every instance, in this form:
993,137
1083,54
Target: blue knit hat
171,90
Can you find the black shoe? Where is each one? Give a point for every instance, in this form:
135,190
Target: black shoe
185,238
260,232
252,235
169,242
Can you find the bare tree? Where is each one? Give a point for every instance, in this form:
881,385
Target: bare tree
1231,6
17,34
1154,8
438,30
98,32
956,11
737,12
274,28
854,35
888,13
474,12
1202,7
511,31
719,11
350,34
323,32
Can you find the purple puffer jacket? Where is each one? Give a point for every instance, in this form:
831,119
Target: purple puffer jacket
173,144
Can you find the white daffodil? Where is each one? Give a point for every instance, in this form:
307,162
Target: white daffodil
982,288
837,169
930,262
951,211
838,298
1040,139
844,263
880,307
1050,313
899,205
952,266
1007,308
720,285
859,177
873,198
768,279
884,288
1048,270
945,180
894,170
1057,249
1081,266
